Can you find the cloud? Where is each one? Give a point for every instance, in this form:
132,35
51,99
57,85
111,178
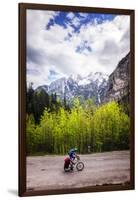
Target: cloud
100,45
70,15
83,15
76,21
35,55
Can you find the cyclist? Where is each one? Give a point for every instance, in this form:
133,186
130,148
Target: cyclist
72,153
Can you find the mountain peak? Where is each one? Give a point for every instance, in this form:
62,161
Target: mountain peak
97,75
75,77
76,85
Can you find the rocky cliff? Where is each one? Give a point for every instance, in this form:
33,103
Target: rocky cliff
118,83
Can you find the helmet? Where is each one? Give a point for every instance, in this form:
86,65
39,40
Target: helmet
75,149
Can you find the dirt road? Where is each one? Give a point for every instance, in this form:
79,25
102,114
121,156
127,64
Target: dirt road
46,172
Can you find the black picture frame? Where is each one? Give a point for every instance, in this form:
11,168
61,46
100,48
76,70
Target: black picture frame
22,97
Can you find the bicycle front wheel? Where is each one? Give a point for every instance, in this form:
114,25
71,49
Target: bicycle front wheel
80,166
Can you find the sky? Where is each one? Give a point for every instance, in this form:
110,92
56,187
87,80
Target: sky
60,44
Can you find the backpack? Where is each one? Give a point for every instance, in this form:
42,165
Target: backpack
67,162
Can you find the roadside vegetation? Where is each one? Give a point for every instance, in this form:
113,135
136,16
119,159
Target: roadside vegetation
53,126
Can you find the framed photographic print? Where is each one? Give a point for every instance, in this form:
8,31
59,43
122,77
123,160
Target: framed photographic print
76,99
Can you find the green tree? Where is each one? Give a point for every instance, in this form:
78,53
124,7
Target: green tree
104,128
109,122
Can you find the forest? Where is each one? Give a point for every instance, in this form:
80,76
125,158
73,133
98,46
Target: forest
53,126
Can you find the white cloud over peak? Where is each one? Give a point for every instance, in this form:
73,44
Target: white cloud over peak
57,48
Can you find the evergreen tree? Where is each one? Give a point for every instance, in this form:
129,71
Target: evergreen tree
29,99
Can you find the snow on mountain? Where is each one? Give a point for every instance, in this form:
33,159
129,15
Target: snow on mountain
97,77
58,85
89,86
75,77
84,82
96,85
